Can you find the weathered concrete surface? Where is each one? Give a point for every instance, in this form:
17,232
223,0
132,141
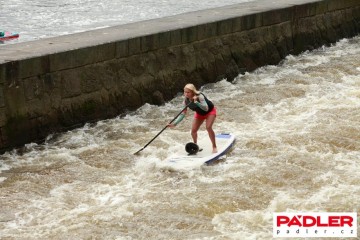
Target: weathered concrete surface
57,83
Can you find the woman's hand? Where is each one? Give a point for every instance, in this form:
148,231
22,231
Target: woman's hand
195,98
171,125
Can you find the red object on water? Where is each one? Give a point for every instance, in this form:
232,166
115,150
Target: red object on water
8,36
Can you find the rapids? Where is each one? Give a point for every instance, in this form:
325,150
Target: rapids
297,149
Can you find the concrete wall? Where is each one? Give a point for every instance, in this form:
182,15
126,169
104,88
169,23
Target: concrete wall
58,83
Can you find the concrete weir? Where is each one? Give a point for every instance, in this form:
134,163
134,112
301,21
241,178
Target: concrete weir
57,83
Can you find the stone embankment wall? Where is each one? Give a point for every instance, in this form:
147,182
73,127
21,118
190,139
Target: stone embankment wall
58,83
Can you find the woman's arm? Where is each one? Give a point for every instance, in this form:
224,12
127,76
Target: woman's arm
201,103
179,118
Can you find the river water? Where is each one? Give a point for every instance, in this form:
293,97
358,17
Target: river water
298,149
38,19
298,146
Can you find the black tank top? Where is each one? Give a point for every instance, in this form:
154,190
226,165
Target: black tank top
197,109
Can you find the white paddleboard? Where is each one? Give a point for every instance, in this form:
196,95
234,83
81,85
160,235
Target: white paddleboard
182,160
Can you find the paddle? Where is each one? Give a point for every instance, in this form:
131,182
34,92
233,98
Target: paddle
162,130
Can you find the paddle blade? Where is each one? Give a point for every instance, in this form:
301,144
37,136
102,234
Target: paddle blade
137,153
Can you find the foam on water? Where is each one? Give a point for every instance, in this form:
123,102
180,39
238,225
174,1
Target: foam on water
297,149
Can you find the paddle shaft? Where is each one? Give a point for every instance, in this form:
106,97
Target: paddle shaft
163,129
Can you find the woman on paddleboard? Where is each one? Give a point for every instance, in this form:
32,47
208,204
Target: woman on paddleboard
204,110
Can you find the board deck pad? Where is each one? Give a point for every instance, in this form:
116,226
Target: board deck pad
182,159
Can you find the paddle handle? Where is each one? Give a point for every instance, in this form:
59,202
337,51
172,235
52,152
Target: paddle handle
162,129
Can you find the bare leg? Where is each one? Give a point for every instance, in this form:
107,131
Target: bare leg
195,127
209,122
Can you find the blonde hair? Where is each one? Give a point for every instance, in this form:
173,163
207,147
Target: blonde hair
191,87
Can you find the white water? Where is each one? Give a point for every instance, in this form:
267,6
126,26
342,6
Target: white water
38,19
297,149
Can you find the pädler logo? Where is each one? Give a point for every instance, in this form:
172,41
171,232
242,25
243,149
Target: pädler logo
332,224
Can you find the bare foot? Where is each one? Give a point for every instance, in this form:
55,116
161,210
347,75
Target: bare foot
214,150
